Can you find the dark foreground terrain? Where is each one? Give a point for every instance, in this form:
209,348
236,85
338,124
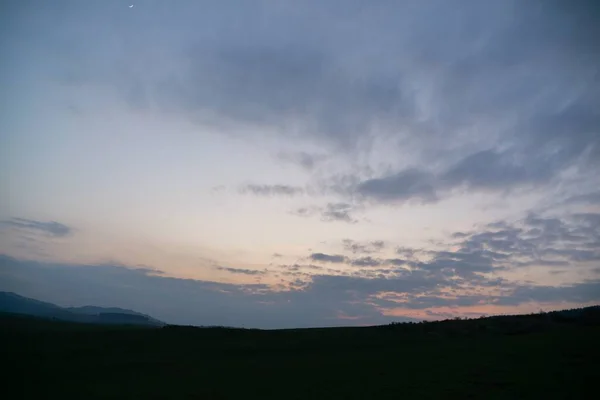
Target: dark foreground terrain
536,357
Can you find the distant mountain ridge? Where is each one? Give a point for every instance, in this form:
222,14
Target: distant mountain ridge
17,304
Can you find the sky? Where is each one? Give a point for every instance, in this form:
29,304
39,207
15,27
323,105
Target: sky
279,164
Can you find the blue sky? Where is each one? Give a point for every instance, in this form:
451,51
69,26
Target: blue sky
282,163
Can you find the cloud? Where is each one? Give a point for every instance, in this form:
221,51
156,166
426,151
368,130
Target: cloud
182,301
305,212
461,263
420,290
478,257
447,86
254,82
364,248
492,170
241,271
50,228
336,258
411,102
272,190
277,84
405,185
588,198
366,262
332,212
582,293
338,212
304,267
306,160
378,244
310,300
487,170
407,251
534,240
506,99
398,261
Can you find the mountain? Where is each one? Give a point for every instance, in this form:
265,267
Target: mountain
115,313
93,310
16,304
13,303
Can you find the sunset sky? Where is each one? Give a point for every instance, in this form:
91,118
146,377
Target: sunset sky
301,163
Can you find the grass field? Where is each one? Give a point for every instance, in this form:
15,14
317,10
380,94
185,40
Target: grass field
459,359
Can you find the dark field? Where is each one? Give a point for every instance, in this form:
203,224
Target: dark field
529,357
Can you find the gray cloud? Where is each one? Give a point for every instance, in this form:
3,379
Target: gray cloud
486,170
418,290
306,160
304,211
423,99
184,301
406,185
272,190
407,251
492,63
588,198
332,212
535,240
486,96
305,267
50,228
461,263
335,258
398,261
241,271
378,244
572,241
338,212
585,292
490,169
315,300
374,246
366,262
273,83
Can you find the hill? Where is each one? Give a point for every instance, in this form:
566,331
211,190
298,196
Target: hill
547,355
16,304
